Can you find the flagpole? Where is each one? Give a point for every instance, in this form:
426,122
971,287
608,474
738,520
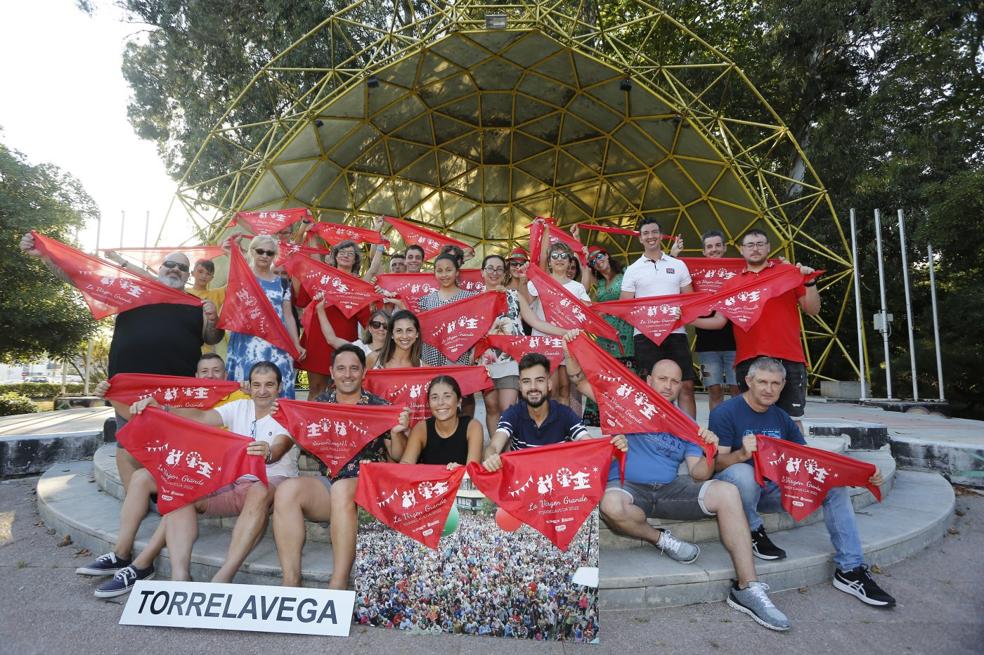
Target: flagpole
908,307
883,327
857,305
936,322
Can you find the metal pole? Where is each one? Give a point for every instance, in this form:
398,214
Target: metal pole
122,225
936,323
908,307
857,304
146,228
884,309
88,343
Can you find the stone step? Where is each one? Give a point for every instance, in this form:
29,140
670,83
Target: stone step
70,502
703,530
861,435
959,457
916,515
30,443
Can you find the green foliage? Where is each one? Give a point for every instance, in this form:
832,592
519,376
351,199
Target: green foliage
42,390
38,312
14,403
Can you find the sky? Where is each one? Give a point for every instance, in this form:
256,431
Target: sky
64,102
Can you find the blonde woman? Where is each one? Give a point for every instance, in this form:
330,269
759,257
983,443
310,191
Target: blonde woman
245,349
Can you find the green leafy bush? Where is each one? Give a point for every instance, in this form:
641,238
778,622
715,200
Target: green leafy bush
15,403
39,390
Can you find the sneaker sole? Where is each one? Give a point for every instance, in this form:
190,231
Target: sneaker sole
768,558
118,592
848,589
96,573
687,561
742,608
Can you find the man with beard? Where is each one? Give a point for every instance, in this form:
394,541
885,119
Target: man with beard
537,420
160,339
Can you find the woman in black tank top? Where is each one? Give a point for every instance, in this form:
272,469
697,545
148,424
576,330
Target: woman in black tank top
446,438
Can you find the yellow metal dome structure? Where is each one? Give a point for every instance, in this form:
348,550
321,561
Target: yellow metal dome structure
476,117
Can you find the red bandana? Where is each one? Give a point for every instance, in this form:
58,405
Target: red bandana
407,387
655,316
247,309
108,289
555,234
627,405
189,460
610,230
288,250
412,499
711,274
550,347
410,287
333,432
455,327
470,279
335,233
429,240
551,488
154,257
270,222
743,298
805,474
347,292
199,393
563,309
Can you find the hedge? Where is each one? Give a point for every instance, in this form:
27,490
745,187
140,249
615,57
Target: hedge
15,403
42,390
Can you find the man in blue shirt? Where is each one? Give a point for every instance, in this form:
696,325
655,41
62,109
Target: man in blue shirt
653,488
736,422
537,420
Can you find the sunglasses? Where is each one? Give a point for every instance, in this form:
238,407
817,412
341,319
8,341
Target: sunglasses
261,251
559,255
377,325
181,267
595,257
517,263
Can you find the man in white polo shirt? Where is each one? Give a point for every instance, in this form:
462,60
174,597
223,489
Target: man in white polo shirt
658,274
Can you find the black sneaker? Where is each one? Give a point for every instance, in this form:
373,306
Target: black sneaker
763,548
107,564
858,582
123,581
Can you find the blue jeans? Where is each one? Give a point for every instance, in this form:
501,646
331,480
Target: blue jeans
838,513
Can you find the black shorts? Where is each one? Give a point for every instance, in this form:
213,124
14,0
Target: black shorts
675,347
793,396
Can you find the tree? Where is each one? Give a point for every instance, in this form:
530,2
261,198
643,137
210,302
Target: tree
38,312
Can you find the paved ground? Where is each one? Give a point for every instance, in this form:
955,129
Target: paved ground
84,419
46,608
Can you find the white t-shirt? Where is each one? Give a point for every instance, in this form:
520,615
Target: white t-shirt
656,277
239,416
573,286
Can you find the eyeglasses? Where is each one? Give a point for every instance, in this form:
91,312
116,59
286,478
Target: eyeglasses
377,325
596,257
559,255
181,267
261,251
755,245
346,251
517,263
494,269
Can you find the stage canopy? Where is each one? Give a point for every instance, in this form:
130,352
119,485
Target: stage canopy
474,118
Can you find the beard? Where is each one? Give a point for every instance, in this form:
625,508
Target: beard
174,283
538,403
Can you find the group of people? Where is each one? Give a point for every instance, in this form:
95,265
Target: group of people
531,405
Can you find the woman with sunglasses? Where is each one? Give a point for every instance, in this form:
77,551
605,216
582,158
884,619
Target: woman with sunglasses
373,336
244,349
446,274
401,348
446,438
346,257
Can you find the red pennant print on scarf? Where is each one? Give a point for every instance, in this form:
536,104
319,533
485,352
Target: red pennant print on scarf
743,298
551,488
655,316
608,229
335,233
711,274
270,221
455,327
154,257
188,460
247,309
335,433
470,279
288,250
516,346
407,387
805,475
108,289
562,309
429,240
198,393
347,292
414,500
627,404
410,287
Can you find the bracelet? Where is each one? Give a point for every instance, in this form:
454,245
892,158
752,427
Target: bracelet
811,283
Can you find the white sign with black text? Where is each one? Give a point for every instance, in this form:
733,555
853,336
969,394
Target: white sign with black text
257,608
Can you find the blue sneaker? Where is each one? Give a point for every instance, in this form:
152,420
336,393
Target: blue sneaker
107,564
123,581
753,601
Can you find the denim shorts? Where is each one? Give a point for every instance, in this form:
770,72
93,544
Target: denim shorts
718,365
681,499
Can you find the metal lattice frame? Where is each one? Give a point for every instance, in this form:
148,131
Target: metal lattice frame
422,112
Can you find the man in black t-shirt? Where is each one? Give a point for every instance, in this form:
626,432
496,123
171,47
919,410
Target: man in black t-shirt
716,348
